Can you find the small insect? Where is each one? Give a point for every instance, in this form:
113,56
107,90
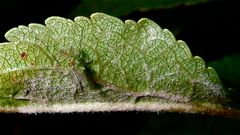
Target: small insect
83,57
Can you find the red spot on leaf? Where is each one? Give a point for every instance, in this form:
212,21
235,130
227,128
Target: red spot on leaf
23,55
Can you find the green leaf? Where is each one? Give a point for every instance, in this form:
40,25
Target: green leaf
103,64
123,7
228,69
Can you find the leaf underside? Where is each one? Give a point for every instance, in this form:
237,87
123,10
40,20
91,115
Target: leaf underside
102,64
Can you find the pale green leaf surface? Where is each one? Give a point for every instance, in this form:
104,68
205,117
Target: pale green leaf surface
102,64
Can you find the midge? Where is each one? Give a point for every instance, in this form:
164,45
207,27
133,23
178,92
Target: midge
102,59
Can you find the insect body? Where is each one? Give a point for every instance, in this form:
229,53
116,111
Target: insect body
102,59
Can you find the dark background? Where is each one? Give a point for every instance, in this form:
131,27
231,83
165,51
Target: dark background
210,29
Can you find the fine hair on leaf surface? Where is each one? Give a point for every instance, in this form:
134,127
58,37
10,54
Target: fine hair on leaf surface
102,62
